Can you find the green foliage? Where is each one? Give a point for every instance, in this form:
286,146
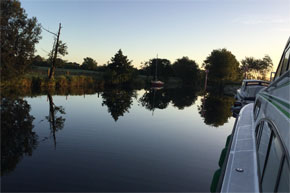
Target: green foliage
257,68
89,64
119,70
187,70
61,50
19,35
222,66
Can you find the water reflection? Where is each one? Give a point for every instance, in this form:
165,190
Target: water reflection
216,108
118,101
183,97
155,98
147,153
17,137
55,119
160,98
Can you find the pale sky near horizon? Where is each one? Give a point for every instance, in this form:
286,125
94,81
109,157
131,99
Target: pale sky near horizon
169,28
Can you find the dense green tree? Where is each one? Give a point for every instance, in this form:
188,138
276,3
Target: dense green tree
256,68
119,70
187,70
222,66
17,136
89,64
19,34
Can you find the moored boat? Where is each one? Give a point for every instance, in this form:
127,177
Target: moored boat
156,83
257,158
247,93
249,89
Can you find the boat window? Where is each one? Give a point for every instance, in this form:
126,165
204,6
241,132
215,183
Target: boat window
257,109
263,145
264,83
271,170
277,74
285,62
258,130
284,183
243,84
252,83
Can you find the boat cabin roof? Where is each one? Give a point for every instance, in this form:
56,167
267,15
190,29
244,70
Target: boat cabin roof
248,82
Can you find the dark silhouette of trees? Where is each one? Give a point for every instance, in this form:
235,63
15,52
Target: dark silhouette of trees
257,68
19,35
17,137
118,101
71,65
40,61
164,68
119,70
89,64
222,66
216,109
187,70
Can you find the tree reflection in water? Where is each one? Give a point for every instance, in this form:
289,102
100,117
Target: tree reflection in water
17,137
216,109
118,101
154,98
183,97
180,98
55,119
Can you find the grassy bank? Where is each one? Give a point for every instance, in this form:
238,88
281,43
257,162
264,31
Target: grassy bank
29,81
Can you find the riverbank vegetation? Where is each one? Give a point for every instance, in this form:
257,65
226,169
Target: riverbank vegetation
21,68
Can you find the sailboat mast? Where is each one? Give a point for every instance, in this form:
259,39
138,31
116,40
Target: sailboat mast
156,68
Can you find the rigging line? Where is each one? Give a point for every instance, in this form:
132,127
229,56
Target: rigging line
48,31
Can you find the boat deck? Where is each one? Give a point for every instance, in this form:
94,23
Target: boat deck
241,170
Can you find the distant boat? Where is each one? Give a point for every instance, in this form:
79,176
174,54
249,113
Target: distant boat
247,94
156,83
250,88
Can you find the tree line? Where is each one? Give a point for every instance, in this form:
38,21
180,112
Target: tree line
20,34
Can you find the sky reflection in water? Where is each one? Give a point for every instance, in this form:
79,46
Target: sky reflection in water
167,140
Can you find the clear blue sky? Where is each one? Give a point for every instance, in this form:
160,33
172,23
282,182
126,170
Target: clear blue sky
169,28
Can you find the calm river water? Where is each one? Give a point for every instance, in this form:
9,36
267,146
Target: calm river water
114,140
